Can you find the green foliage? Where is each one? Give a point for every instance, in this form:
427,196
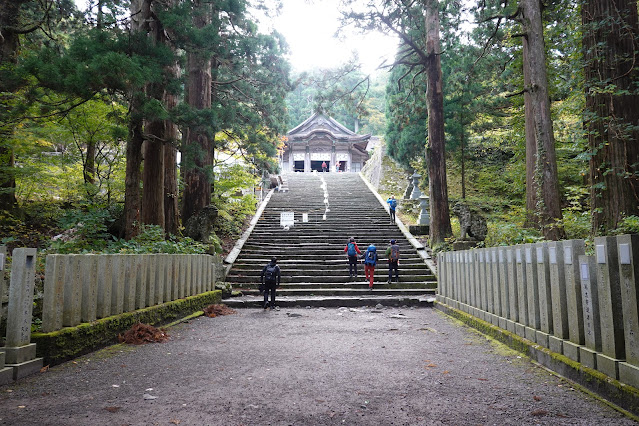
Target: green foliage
509,233
151,239
85,231
232,198
628,225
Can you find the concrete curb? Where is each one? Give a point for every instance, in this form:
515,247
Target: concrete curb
233,254
623,397
421,249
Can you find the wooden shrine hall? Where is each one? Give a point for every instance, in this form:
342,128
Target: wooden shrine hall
321,139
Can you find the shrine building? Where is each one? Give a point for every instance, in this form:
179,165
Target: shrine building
321,139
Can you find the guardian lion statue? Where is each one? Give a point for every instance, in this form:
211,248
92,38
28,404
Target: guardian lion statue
471,223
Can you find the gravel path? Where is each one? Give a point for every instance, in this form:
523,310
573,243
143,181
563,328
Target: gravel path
385,366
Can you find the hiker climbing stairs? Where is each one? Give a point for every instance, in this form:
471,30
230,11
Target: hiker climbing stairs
311,253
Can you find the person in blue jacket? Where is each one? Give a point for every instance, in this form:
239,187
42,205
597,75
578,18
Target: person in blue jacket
370,260
352,251
392,205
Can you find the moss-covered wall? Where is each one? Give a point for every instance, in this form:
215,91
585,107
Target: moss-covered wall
70,342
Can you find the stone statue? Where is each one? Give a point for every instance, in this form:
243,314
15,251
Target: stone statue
471,223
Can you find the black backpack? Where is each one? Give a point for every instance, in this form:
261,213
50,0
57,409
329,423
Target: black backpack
270,272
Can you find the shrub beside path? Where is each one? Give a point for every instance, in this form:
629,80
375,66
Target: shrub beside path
368,366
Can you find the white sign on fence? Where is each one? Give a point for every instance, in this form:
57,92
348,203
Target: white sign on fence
287,218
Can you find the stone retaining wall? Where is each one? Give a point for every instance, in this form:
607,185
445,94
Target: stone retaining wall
584,308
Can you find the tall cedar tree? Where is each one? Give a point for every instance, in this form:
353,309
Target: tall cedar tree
198,143
611,43
423,54
546,178
236,88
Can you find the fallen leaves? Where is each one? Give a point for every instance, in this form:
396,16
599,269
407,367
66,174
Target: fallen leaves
112,409
143,333
45,368
217,310
539,413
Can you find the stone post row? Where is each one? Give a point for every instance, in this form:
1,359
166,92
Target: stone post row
82,288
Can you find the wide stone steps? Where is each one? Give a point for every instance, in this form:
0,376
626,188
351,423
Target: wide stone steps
311,254
342,278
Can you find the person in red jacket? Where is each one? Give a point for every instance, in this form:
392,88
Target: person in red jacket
352,251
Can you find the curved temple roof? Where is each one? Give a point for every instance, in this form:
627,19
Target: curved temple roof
318,125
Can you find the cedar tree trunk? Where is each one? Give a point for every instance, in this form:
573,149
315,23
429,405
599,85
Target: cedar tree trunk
546,168
198,149
440,227
610,42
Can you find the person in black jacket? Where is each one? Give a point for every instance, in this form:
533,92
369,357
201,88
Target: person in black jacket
270,280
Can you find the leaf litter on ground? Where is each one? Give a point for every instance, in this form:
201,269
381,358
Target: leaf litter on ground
217,310
140,334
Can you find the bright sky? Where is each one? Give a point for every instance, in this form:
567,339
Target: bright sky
309,26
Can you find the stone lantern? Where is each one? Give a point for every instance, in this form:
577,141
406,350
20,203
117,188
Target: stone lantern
416,192
424,216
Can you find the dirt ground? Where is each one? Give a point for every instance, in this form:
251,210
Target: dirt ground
382,366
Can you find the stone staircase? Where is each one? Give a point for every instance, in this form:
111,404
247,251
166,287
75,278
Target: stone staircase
311,254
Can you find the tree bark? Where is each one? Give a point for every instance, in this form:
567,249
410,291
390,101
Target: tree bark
171,207
88,171
133,178
440,227
532,220
610,42
198,149
546,166
9,47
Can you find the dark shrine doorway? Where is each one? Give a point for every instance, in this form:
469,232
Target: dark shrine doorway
317,165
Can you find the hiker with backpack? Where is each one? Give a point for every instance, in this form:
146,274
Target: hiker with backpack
392,205
370,260
352,251
392,253
269,281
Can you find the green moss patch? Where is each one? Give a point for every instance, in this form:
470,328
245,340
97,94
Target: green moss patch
71,342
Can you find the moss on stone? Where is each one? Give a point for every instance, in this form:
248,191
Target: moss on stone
70,342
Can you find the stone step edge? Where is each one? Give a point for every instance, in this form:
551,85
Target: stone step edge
331,301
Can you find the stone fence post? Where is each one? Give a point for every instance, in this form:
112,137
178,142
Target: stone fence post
19,351
610,307
628,249
6,373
